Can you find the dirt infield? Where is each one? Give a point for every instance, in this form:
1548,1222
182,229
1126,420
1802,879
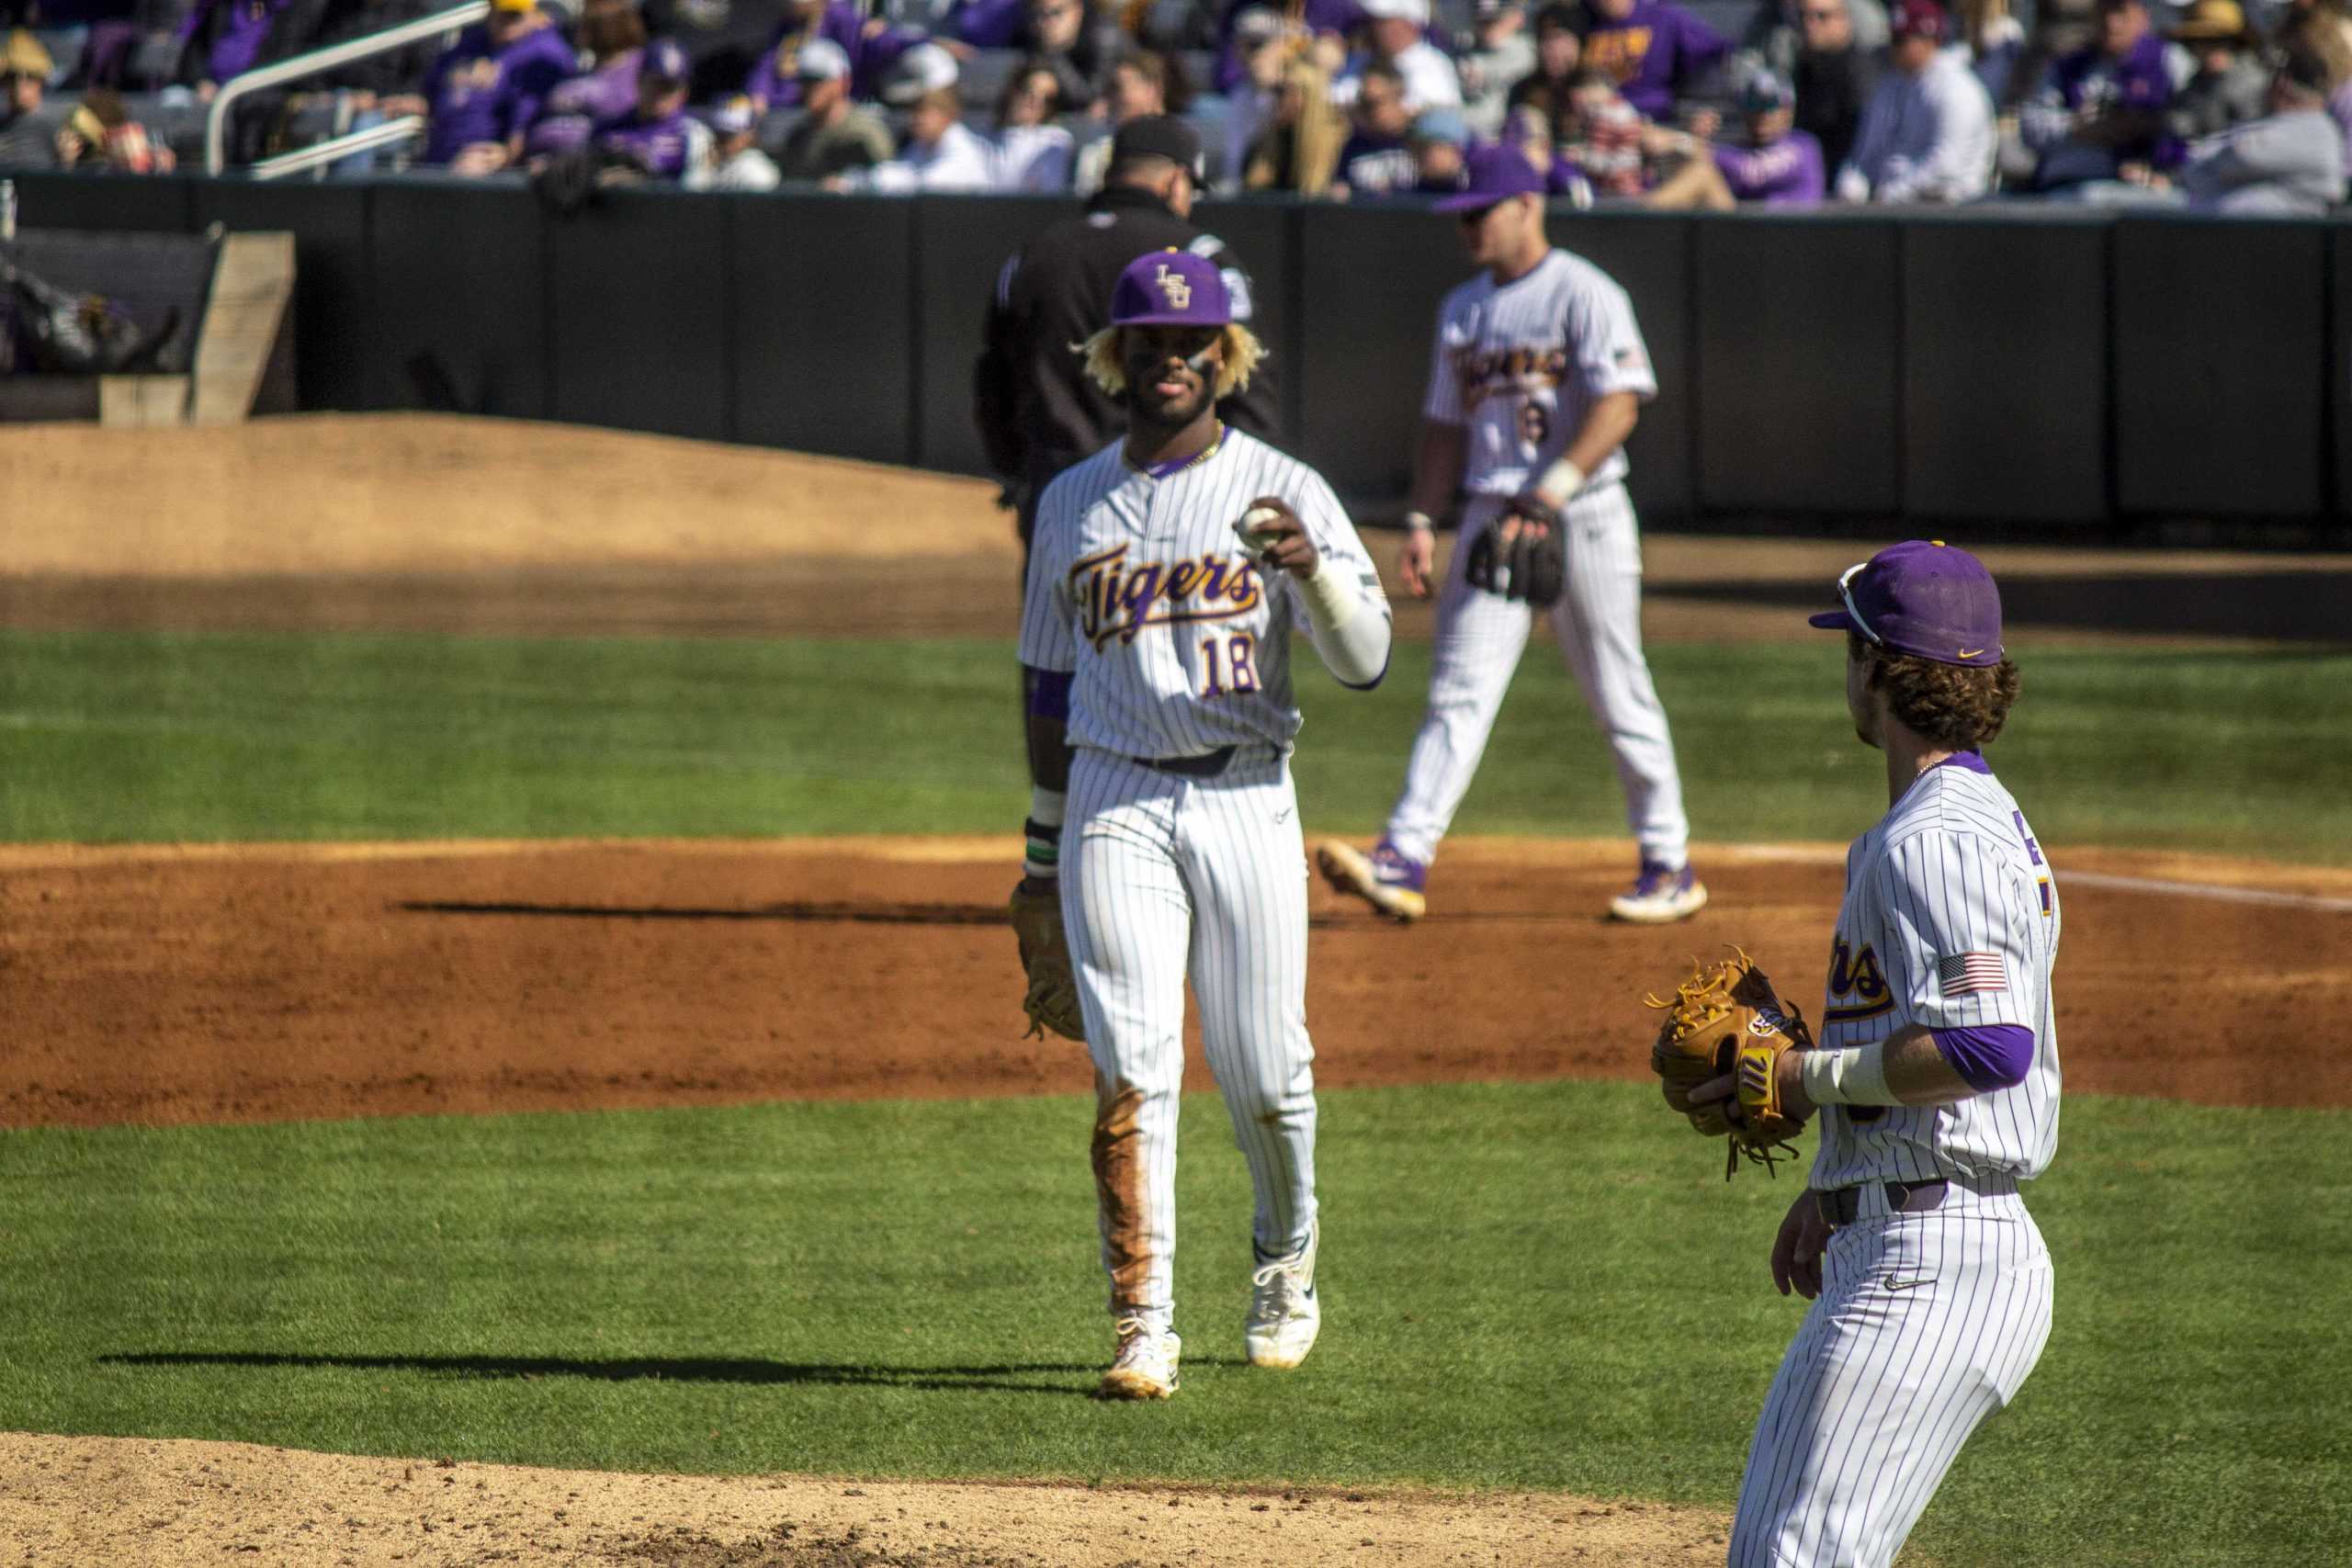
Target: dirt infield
176,985
175,1505
262,984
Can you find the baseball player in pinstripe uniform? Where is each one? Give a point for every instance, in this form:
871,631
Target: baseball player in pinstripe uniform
1537,377
1936,1079
1167,575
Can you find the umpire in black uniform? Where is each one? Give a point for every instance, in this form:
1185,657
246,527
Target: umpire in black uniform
1038,411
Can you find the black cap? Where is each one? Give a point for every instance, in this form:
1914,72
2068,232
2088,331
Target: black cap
1159,136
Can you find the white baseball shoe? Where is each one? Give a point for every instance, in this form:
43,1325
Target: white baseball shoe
1660,895
1284,1313
1146,1366
1389,881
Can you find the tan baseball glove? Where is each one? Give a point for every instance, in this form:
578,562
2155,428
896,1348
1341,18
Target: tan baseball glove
1052,1000
1727,1018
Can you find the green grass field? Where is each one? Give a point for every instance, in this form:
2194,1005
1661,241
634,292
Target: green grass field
910,1288
128,738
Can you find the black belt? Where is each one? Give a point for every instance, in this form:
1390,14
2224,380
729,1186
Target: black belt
1207,765
1844,1205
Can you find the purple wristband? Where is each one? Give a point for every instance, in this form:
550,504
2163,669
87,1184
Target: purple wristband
1995,1055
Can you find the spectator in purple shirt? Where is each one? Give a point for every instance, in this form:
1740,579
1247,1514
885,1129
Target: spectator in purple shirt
1779,166
486,89
614,35
222,39
656,137
872,44
1375,160
1656,50
1328,21
2102,106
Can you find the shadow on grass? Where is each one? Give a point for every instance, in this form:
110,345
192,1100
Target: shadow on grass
1050,1377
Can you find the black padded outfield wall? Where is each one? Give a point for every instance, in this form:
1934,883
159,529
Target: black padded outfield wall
1798,324
2000,365
2005,405
459,324
2221,384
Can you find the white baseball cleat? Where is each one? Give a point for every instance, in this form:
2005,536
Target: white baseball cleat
1389,881
1146,1366
1284,1313
1660,895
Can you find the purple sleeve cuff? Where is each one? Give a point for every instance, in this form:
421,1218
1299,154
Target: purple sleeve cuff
1049,698
1995,1055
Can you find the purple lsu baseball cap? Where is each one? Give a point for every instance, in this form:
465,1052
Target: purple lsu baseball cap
1923,597
1493,174
1170,288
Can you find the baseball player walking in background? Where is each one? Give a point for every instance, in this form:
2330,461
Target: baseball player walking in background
1937,1077
1537,377
1167,574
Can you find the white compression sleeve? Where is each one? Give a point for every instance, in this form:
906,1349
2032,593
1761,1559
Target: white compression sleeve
1854,1075
1350,633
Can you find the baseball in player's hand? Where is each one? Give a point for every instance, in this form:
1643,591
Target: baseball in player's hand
1414,562
1796,1251
1274,532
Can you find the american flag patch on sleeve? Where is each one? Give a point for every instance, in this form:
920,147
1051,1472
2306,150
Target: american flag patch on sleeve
1964,973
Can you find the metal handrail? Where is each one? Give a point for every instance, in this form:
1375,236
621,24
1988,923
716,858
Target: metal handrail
344,146
216,121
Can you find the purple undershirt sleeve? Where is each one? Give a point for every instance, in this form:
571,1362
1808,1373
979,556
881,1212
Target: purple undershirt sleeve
1994,1055
1049,698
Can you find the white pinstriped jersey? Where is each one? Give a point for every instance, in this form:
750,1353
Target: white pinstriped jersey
1139,587
1950,921
1522,362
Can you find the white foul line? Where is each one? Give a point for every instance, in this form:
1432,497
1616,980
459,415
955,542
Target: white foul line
1831,854
2206,890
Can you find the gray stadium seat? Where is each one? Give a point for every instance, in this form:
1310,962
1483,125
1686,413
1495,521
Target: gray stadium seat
984,76
1729,18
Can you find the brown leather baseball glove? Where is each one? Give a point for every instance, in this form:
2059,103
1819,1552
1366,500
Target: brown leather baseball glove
1727,1018
1052,1000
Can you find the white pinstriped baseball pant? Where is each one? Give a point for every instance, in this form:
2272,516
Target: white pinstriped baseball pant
1880,1387
1480,637
1165,877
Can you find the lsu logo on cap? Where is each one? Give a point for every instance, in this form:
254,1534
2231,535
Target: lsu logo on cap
1172,284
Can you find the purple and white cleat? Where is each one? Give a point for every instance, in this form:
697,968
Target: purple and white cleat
1660,895
1390,882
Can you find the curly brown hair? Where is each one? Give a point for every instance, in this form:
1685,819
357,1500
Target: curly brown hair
1960,707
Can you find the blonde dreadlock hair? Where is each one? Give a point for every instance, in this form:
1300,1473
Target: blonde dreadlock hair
1242,354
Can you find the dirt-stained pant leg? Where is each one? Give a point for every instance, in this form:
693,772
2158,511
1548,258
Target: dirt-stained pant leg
1128,919
1245,859
1927,1323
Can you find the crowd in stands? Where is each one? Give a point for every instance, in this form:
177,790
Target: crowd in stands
2230,106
